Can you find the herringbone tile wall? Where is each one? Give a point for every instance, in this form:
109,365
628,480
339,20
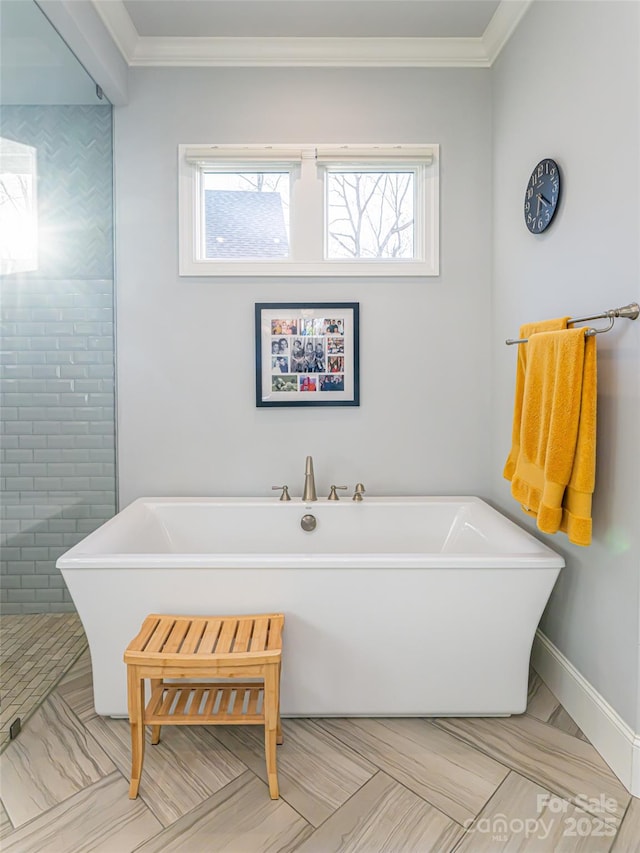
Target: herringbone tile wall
75,177
57,358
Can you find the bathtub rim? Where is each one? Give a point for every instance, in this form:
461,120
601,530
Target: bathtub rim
541,556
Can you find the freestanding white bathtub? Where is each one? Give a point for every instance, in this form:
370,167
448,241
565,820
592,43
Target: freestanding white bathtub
403,606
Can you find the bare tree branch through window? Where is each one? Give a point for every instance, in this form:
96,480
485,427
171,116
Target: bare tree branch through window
370,214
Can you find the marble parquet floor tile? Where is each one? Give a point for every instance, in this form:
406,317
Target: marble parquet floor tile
5,824
544,706
101,819
316,773
385,817
628,838
523,816
453,777
566,765
78,695
76,688
238,819
53,758
541,703
179,773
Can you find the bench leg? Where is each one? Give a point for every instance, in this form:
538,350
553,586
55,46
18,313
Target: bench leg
155,730
279,738
271,726
135,689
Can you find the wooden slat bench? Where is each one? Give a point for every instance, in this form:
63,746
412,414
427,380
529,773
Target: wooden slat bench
204,647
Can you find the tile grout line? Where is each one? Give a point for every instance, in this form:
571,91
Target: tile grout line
342,805
397,781
525,773
42,814
614,840
467,828
127,778
250,770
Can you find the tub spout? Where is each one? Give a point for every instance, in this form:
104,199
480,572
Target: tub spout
309,491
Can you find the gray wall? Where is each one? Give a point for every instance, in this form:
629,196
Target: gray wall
186,400
57,359
566,86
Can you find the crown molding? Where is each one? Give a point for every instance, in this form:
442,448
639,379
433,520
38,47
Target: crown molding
310,52
140,51
502,26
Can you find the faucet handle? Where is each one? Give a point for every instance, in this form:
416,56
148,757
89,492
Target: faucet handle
285,496
333,495
359,492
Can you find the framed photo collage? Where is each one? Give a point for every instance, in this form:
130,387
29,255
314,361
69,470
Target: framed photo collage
307,354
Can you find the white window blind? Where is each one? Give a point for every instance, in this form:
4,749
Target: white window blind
422,154
321,153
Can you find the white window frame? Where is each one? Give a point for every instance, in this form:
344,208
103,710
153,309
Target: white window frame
306,164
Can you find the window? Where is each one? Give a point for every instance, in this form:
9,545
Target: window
18,208
370,214
331,210
245,215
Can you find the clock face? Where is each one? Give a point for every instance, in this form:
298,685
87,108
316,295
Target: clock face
542,195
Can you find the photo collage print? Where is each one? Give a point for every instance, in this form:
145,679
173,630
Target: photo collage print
307,355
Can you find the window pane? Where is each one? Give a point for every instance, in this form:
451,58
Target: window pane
246,215
18,208
370,214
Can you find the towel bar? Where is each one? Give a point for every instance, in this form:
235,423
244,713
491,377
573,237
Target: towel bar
628,312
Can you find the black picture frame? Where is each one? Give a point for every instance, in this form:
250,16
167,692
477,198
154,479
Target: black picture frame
307,354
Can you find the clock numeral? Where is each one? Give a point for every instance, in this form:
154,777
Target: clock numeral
527,207
530,192
540,224
540,170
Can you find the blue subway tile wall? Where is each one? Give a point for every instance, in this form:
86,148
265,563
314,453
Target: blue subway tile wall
57,418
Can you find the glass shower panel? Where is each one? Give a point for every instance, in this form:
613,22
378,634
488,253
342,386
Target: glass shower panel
57,437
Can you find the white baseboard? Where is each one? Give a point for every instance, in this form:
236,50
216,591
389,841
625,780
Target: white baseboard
616,742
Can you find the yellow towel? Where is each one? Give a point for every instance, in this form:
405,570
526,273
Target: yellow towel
525,332
557,433
576,505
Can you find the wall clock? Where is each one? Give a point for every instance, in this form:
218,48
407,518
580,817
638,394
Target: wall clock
542,196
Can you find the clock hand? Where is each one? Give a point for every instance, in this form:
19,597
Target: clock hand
542,199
